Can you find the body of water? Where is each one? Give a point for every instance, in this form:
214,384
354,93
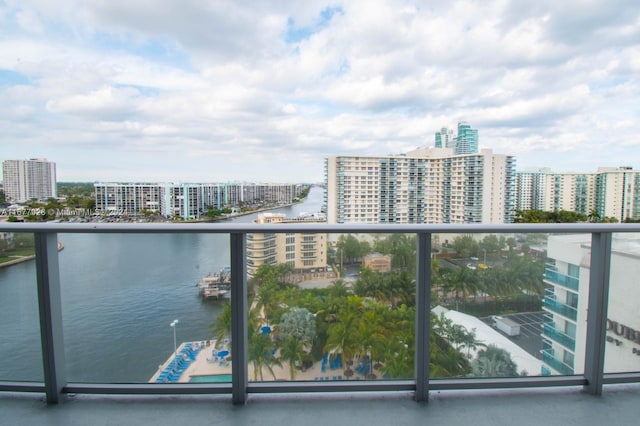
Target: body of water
120,292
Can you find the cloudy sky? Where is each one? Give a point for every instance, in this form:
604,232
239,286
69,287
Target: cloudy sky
215,90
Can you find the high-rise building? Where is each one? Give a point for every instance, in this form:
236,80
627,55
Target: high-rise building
445,138
132,198
533,189
28,179
187,200
467,139
612,192
618,193
428,185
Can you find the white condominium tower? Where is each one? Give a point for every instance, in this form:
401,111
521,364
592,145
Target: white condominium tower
428,185
610,192
187,200
28,179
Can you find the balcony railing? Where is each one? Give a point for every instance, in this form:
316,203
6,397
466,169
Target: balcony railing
560,308
53,344
556,364
559,337
561,279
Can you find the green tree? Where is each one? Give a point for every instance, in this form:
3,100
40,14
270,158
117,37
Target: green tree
461,281
261,354
494,362
350,250
539,216
222,326
291,351
342,335
465,245
491,243
298,323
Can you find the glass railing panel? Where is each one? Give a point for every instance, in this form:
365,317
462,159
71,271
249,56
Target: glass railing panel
348,316
492,301
561,279
566,311
145,308
553,334
487,297
20,347
622,348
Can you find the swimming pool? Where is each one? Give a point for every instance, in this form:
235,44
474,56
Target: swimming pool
211,378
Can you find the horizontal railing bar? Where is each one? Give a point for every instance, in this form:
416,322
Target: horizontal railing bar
613,378
223,228
22,387
506,382
149,389
345,385
332,386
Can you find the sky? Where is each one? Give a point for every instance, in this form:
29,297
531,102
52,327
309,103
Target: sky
245,90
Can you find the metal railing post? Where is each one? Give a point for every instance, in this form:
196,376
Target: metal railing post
239,309
50,311
597,311
423,310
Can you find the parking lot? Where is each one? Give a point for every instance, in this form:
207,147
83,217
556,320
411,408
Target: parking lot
530,329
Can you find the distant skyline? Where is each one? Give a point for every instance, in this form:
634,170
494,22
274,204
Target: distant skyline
193,91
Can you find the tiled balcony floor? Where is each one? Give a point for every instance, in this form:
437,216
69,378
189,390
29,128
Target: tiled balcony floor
558,406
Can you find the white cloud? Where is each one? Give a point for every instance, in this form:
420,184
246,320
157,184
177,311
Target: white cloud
215,89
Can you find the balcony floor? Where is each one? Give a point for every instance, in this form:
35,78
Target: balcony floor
618,405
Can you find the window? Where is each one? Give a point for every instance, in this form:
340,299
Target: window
570,329
573,271
568,358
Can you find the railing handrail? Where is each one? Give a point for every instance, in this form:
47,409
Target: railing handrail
225,228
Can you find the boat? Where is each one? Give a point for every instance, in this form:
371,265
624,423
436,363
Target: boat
215,286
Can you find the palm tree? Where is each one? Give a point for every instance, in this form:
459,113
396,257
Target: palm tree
222,326
291,351
267,299
342,336
370,334
261,354
462,281
494,362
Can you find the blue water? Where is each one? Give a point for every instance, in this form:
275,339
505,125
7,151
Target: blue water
120,292
213,378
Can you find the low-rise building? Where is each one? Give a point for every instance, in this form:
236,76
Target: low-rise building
304,252
377,262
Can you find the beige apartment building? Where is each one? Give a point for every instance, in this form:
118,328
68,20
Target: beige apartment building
305,252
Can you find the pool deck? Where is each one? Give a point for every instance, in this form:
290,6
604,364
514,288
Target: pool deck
204,365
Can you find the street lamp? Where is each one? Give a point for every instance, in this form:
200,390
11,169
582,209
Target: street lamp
175,346
484,251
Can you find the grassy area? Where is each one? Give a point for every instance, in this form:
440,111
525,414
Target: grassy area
11,254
